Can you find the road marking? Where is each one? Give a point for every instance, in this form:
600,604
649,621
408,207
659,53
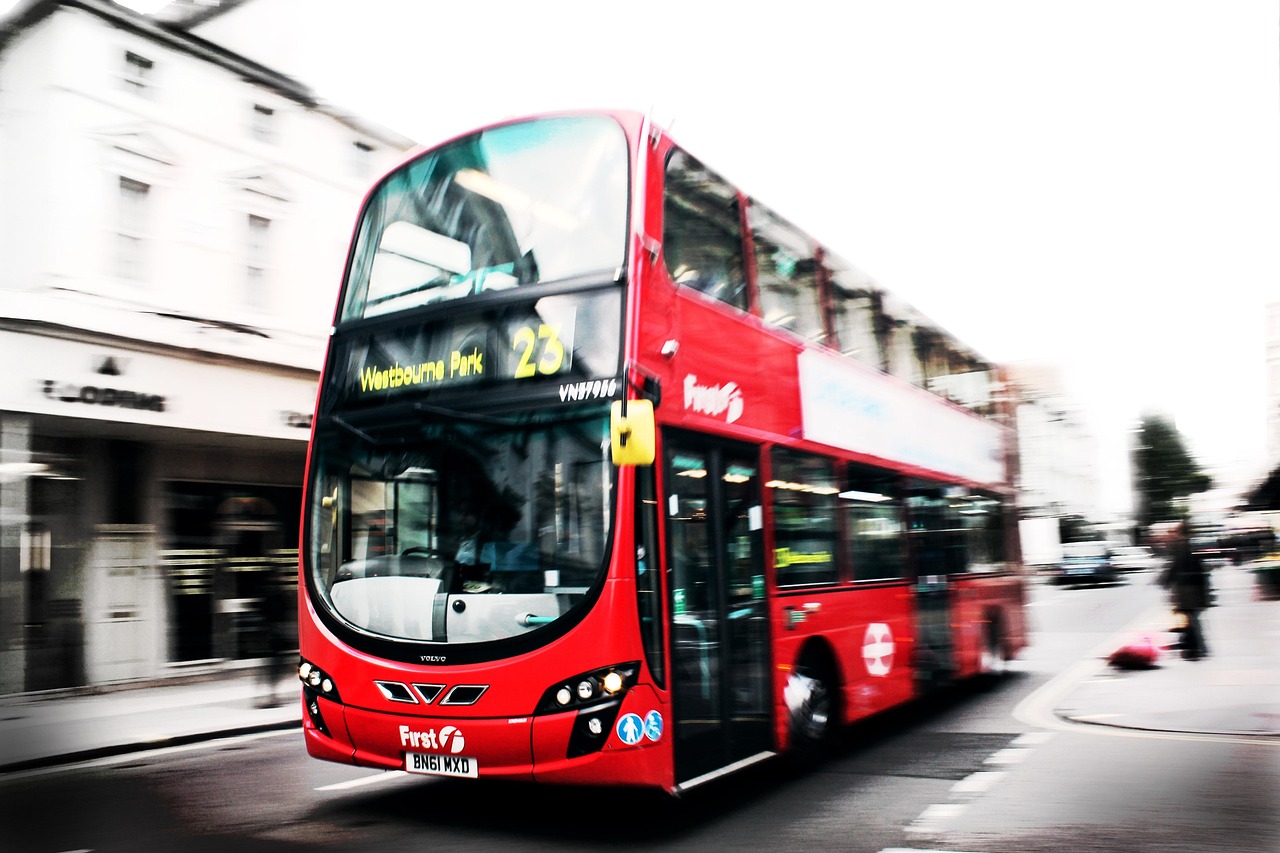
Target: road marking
933,817
365,780
1011,755
976,783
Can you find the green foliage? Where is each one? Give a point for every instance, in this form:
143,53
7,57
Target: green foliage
1164,473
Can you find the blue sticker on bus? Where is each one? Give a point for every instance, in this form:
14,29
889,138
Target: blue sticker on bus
630,729
653,726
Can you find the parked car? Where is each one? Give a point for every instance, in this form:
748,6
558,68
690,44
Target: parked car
1134,558
1086,562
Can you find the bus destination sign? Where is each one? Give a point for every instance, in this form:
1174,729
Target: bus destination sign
515,343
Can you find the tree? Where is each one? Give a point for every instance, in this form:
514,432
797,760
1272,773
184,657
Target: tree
1163,471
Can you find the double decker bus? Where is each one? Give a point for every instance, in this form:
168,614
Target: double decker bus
618,477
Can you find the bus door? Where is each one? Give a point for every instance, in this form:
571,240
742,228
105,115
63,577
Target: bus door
934,549
720,636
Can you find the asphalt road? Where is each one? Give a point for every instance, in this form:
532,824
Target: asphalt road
976,770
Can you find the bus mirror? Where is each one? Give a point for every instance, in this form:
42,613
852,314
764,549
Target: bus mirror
632,435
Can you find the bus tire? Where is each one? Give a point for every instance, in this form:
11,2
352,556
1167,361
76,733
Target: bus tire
812,704
991,667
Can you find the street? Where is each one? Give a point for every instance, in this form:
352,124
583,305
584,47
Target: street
989,770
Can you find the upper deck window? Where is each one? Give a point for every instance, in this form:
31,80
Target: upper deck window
786,270
702,232
515,205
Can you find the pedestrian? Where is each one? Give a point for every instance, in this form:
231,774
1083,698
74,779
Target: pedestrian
274,610
1188,583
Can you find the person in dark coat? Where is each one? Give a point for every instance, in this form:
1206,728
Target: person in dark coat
1189,589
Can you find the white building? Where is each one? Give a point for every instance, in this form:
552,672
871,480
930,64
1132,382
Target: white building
1273,385
173,223
1058,453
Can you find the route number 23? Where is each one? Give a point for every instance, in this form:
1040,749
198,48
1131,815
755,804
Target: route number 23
540,351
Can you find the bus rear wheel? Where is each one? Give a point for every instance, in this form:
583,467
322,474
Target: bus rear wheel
992,665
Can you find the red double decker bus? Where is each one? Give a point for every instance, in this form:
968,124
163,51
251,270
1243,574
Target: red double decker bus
618,477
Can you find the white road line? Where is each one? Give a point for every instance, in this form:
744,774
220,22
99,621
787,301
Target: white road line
1012,755
976,783
382,776
931,820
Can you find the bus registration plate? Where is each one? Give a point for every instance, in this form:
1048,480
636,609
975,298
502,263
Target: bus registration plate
430,764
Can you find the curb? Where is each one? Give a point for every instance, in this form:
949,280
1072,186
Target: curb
114,750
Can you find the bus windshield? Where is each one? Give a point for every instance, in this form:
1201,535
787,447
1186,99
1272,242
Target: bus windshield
514,205
460,532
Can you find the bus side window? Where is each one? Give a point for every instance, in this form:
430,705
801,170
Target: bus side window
702,233
873,514
940,545
786,275
803,491
856,311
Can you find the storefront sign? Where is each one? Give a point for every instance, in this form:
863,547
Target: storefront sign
82,380
92,395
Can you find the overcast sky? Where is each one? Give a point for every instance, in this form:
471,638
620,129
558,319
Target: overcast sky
1093,183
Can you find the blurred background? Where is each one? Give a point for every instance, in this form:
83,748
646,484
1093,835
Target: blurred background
1087,192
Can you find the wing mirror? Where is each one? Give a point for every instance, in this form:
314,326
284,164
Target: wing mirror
631,433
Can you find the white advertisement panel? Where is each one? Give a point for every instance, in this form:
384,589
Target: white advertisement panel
847,405
82,380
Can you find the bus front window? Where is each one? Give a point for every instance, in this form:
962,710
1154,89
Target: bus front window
461,534
515,205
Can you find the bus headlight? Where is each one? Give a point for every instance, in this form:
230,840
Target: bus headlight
612,682
596,698
317,681
589,688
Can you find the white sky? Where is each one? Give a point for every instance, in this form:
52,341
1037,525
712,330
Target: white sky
1094,183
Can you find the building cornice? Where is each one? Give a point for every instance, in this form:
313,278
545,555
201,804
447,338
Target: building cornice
175,36
62,331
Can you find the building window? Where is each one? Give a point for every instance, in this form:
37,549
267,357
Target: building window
256,262
137,72
262,124
361,159
131,229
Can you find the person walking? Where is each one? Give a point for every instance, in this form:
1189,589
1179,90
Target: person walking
1189,590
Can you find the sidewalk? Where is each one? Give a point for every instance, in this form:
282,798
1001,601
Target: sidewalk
1235,691
45,729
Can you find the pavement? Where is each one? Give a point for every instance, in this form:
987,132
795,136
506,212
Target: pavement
1233,692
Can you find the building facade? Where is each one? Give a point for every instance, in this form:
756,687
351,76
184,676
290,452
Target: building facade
1058,453
173,222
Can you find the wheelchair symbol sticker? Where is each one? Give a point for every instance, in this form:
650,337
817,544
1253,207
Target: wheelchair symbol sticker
653,726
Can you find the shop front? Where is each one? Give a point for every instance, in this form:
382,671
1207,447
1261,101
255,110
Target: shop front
149,505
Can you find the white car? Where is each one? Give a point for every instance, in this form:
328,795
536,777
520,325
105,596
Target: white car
1133,558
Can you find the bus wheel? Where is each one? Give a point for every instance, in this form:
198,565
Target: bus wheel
812,707
992,663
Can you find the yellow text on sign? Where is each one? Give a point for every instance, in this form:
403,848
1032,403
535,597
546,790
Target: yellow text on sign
540,351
